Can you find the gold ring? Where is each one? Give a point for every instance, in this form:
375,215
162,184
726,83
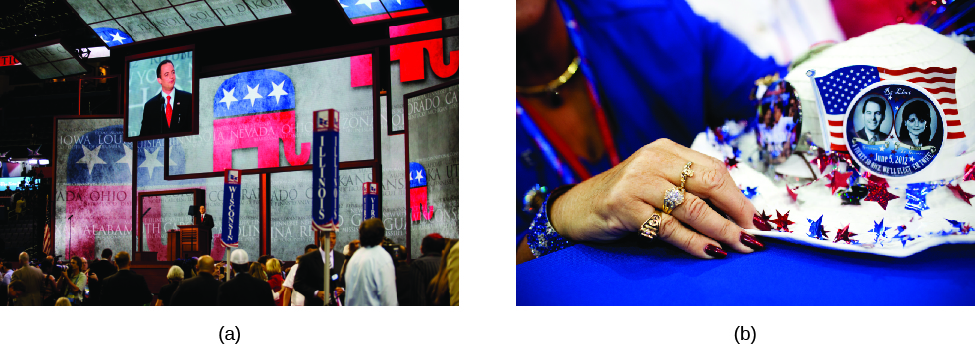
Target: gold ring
651,226
684,174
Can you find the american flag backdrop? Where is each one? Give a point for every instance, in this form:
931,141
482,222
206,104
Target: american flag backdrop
837,89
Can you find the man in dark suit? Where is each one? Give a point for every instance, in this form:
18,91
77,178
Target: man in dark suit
205,231
170,111
201,290
98,271
310,280
244,290
125,287
873,112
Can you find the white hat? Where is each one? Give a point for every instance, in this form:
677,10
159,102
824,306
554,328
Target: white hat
239,256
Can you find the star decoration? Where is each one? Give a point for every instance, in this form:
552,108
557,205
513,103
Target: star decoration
731,162
228,97
816,229
844,234
962,227
917,193
127,158
252,93
761,221
822,160
838,179
278,91
880,229
877,191
900,235
368,3
91,158
782,222
960,193
151,161
792,193
117,37
969,172
750,192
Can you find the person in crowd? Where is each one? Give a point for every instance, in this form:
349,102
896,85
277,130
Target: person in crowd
72,283
20,206
310,280
33,281
453,274
605,108
275,279
438,291
427,265
62,302
201,290
370,276
257,271
289,295
4,294
49,287
175,277
6,274
16,290
100,269
406,281
125,287
348,251
263,261
244,289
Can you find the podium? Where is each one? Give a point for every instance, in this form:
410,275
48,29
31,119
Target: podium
184,241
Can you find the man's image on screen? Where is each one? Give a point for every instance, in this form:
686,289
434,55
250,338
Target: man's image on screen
171,110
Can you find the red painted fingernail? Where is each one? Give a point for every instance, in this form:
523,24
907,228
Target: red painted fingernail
751,241
715,252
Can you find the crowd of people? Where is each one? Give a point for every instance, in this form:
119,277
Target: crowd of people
369,271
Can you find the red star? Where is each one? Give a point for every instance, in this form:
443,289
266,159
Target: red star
844,234
838,179
969,172
761,221
731,162
960,193
792,193
877,191
782,222
822,160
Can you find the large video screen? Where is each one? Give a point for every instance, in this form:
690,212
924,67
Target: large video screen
93,187
160,93
263,118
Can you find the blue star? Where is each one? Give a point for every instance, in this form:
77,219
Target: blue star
816,229
917,196
879,228
750,192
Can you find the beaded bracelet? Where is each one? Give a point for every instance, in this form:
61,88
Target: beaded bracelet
543,239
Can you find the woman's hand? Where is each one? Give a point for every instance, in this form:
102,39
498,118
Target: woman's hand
618,201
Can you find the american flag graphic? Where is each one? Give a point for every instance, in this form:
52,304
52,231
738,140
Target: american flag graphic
837,89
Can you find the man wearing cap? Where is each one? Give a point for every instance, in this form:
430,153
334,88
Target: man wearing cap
201,290
244,290
310,279
169,111
370,277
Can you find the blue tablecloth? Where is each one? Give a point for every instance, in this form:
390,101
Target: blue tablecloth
638,272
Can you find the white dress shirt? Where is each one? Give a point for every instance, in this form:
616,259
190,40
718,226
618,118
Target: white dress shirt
370,278
297,299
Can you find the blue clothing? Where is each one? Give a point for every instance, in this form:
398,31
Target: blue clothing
660,71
